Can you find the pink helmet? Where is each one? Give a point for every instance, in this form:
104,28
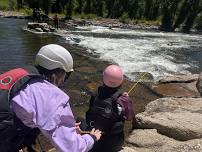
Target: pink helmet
113,76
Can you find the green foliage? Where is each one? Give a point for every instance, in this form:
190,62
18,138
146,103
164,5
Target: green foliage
26,11
145,22
170,13
4,5
124,18
199,20
86,16
12,4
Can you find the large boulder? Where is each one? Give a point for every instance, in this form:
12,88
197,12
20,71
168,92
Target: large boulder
43,26
180,78
149,140
177,86
128,149
179,118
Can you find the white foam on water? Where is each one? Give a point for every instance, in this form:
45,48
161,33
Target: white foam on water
154,52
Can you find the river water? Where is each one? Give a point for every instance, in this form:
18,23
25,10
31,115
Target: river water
158,53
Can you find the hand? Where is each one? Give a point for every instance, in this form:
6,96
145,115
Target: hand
78,130
97,133
125,94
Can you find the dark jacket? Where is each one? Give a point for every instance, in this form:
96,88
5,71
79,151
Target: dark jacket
113,127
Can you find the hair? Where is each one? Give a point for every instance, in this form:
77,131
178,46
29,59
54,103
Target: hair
47,74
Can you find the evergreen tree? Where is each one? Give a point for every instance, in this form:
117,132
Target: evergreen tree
169,12
88,7
79,7
183,12
195,9
69,10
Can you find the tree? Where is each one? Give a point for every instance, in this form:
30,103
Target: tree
183,12
133,8
99,5
79,8
148,9
88,7
169,12
69,10
109,6
194,11
19,4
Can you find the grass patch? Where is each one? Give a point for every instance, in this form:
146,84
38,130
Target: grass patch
26,11
52,15
4,5
8,5
86,16
146,22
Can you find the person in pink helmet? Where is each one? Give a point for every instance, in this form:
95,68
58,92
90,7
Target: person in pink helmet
108,110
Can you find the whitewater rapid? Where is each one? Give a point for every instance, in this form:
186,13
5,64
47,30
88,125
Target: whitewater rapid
159,53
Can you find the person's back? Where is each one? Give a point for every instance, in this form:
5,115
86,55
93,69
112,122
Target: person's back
107,119
40,103
106,111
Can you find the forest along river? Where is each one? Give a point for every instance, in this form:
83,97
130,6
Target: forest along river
158,53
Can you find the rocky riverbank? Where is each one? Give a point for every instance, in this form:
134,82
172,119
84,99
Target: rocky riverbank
171,123
69,24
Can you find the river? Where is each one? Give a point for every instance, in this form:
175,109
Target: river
159,53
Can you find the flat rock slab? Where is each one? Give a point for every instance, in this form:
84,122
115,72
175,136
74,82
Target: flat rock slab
149,140
178,118
177,89
180,78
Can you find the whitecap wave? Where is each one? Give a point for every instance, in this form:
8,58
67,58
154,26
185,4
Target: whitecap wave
158,53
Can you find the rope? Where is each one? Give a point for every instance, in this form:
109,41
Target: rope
141,78
85,132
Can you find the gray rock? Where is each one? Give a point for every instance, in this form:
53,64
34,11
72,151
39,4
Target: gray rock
188,146
149,140
180,78
44,26
176,90
38,29
179,118
127,149
199,84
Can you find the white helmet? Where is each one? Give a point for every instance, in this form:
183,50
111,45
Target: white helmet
53,56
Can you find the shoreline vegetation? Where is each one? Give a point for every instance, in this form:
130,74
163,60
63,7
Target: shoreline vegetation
176,15
89,20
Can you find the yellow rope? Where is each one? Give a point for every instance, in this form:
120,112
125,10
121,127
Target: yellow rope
85,132
141,78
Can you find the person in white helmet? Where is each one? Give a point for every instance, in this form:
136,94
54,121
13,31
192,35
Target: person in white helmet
37,102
